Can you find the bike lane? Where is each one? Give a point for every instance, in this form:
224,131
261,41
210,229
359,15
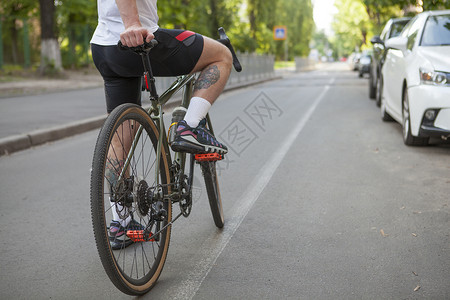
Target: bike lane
338,219
255,131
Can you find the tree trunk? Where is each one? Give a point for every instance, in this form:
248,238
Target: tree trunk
72,40
252,19
364,37
214,16
14,44
50,52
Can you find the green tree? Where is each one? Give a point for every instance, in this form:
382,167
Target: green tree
351,26
262,16
66,25
202,16
435,4
302,27
76,20
380,11
423,4
320,42
13,15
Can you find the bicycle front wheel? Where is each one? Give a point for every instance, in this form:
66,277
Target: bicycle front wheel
213,191
129,206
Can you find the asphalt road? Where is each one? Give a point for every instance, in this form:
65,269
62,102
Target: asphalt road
322,201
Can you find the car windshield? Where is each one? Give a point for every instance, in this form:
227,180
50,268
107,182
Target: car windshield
397,28
437,31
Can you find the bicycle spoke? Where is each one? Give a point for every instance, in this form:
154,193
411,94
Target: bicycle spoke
144,255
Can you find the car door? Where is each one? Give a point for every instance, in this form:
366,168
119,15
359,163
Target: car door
392,82
397,62
406,61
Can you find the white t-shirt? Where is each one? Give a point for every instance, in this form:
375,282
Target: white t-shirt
110,24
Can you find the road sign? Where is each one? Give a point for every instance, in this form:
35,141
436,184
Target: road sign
279,33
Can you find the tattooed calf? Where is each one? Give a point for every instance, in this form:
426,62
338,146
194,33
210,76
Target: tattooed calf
113,170
207,78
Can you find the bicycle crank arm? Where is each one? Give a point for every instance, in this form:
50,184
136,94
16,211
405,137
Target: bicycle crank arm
140,236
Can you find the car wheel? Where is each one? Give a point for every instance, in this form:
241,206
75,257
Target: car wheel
360,74
379,86
408,138
384,115
372,87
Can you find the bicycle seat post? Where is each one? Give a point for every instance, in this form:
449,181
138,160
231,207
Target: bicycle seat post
148,76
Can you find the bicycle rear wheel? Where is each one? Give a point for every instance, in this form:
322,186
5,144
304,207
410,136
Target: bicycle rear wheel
130,199
213,191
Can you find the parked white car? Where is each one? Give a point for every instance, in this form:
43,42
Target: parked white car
416,78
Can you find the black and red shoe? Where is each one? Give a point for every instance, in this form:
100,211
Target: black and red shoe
196,140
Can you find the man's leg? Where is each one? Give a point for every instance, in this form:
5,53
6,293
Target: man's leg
215,66
117,155
122,85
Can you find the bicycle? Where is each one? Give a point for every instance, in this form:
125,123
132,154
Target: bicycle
134,178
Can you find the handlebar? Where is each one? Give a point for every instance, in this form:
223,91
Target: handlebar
223,38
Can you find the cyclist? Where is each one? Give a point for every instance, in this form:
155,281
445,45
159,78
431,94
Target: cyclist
178,52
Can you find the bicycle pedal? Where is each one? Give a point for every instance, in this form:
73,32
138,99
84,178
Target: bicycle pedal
208,157
138,236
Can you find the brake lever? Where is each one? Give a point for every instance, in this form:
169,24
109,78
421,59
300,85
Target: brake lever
223,38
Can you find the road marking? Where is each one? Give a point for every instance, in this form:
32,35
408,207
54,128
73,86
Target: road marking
211,249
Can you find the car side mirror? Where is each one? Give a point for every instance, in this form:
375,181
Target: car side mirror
399,43
377,40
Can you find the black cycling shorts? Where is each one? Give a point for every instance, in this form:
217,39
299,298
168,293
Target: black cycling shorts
176,54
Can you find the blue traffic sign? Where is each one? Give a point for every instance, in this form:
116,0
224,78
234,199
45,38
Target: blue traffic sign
279,32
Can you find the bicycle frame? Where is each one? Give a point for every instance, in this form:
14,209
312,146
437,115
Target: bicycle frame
156,114
186,81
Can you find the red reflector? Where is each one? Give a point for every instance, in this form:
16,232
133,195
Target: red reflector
146,80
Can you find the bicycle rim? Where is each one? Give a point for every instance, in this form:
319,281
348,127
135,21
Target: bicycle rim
132,198
213,191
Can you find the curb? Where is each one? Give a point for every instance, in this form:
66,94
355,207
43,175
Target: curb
20,142
38,137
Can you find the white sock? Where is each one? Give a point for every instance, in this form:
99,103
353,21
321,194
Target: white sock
116,217
197,110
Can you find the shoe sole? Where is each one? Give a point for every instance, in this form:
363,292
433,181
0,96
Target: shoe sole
119,244
193,147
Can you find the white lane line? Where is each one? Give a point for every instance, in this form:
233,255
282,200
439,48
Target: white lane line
211,249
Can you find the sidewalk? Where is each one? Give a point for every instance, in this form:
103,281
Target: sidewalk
17,85
35,111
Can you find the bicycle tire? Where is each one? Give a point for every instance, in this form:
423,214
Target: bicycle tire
135,268
213,191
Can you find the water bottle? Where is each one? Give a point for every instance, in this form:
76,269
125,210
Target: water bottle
177,115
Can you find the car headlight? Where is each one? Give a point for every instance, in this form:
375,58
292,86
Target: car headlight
434,77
